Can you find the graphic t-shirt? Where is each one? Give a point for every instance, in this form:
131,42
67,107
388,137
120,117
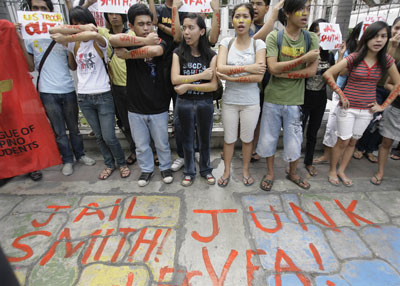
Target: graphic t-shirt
92,75
361,84
287,91
195,66
118,65
238,92
55,76
145,85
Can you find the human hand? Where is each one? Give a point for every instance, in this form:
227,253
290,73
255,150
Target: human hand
345,102
207,74
181,88
214,5
276,8
177,3
342,49
59,38
152,39
88,27
120,52
222,76
375,107
311,56
395,40
257,68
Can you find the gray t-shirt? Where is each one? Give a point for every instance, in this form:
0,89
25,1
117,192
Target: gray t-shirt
240,93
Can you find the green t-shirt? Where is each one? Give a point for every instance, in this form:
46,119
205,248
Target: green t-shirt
287,91
117,64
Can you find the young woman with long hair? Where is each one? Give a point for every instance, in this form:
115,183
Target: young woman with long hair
241,63
365,67
194,78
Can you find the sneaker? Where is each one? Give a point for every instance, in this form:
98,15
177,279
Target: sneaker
210,179
87,160
177,164
197,157
167,176
187,181
144,179
67,169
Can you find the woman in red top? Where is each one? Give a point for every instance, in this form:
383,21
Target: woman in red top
358,100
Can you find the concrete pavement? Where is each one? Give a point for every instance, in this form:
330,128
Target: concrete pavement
78,230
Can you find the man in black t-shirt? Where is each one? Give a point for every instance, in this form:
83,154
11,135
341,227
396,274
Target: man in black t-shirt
147,101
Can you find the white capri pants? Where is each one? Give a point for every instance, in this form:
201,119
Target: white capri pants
248,117
351,122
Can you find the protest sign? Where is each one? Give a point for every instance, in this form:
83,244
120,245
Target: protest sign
368,21
115,6
330,36
27,142
196,6
36,25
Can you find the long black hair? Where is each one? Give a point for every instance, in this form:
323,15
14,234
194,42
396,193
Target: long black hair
81,15
369,34
351,42
184,51
290,6
324,54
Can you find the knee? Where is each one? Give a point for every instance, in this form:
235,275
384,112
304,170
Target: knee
342,143
352,142
386,143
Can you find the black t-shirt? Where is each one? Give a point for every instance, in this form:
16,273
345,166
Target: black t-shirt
195,66
146,84
164,15
396,102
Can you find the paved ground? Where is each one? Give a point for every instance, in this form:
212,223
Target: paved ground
77,230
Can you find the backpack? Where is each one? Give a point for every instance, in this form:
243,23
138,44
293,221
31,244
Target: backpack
100,53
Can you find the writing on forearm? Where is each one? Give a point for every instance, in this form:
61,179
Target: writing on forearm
218,17
138,53
395,93
203,88
335,87
297,75
235,70
173,20
292,66
130,39
243,79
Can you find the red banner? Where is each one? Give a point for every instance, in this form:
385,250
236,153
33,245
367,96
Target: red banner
27,142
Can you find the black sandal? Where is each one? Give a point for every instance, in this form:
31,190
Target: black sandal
131,159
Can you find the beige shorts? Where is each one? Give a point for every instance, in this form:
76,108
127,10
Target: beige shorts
247,115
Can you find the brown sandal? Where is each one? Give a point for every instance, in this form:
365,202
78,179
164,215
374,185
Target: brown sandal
124,172
106,173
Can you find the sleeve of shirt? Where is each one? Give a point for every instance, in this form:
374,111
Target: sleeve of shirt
272,44
104,49
28,46
314,41
71,46
225,42
350,59
260,44
389,60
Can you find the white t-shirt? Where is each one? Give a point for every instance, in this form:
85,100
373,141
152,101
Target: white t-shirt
240,93
92,75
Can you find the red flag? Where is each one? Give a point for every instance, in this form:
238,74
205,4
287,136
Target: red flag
27,142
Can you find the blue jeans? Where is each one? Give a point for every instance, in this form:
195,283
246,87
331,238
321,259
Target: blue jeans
62,110
98,110
274,116
142,127
194,113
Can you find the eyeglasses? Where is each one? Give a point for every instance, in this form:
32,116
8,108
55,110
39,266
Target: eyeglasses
258,4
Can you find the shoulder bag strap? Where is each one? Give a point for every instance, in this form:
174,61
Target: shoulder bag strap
46,54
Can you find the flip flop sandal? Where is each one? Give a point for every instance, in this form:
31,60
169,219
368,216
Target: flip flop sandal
394,157
106,173
268,186
299,182
131,159
320,162
377,181
253,158
334,181
346,183
372,158
246,181
124,172
358,154
210,179
311,170
224,182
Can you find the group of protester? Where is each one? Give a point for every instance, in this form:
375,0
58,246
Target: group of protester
273,80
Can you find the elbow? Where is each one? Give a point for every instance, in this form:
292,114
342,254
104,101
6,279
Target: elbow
260,78
326,75
214,86
114,41
174,79
272,70
31,68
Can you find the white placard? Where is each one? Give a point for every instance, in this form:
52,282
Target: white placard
36,25
330,37
196,6
368,21
115,6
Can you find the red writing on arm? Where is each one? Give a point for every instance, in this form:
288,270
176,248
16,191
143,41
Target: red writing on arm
391,97
243,79
142,52
218,17
235,70
297,75
334,87
292,66
173,21
130,39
